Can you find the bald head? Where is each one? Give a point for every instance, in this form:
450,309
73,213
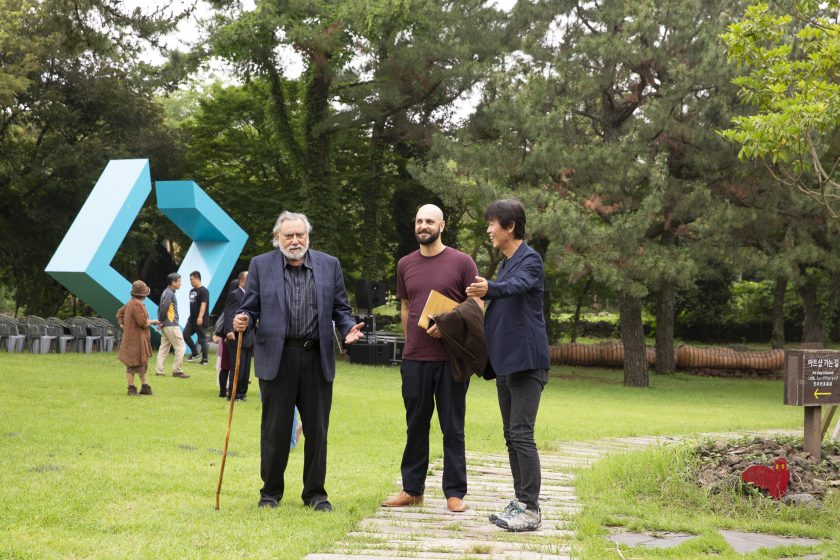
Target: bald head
428,225
430,211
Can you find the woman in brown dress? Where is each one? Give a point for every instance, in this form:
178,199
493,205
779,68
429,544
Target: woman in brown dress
136,346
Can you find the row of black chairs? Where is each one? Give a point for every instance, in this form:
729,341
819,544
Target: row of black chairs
40,336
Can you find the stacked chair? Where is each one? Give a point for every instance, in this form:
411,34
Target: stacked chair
63,334
37,335
40,336
85,339
106,331
10,335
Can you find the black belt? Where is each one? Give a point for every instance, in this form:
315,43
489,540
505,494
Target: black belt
305,343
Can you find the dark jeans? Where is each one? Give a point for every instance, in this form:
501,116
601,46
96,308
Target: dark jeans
425,384
300,383
201,340
519,399
244,367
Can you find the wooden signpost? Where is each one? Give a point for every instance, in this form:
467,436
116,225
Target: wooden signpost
812,380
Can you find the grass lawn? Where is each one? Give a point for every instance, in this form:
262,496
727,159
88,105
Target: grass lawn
87,472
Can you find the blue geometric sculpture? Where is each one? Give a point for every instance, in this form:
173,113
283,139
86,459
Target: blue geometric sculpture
82,262
217,239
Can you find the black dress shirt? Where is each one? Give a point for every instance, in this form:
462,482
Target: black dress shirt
302,319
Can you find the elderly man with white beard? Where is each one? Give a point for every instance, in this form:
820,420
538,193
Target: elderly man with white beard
292,297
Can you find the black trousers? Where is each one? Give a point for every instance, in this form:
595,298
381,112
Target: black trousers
424,385
519,399
224,376
300,383
244,367
191,329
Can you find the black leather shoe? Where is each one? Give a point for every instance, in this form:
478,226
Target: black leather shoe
267,503
323,506
240,397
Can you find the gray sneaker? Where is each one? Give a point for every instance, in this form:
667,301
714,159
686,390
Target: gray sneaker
527,520
510,509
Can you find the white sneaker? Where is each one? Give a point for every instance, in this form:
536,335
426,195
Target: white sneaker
527,520
509,510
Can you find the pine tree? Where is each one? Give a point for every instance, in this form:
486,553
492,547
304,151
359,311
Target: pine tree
604,125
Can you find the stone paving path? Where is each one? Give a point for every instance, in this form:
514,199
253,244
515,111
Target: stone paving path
431,531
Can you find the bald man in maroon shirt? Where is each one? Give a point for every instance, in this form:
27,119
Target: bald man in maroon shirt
426,369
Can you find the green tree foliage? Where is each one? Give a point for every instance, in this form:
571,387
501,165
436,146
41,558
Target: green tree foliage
788,60
604,127
70,100
790,72
378,79
233,151
786,238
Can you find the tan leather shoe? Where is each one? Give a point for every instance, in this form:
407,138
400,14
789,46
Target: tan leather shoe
403,499
456,505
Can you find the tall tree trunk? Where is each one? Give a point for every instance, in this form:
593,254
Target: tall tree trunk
321,201
811,328
372,265
777,338
496,257
578,305
633,339
540,245
665,361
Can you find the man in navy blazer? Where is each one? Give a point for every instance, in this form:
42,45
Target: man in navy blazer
517,351
292,297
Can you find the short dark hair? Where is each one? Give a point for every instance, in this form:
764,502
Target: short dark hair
172,277
508,211
195,274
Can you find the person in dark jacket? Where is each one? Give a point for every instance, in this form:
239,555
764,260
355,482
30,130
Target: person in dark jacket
517,349
295,299
232,303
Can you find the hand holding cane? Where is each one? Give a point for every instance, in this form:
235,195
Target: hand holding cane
230,413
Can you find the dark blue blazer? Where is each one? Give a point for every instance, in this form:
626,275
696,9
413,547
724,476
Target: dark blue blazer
265,300
514,326
232,304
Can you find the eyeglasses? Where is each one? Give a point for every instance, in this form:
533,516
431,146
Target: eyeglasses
290,236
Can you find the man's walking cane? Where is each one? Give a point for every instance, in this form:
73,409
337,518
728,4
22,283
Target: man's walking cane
230,414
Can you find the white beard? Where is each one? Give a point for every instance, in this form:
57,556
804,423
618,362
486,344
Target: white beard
297,255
